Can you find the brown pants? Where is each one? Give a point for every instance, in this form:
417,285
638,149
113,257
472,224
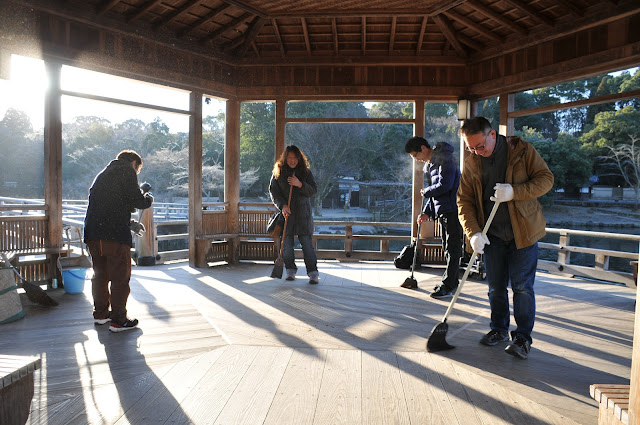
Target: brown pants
111,262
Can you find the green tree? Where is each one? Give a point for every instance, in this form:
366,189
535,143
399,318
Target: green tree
257,143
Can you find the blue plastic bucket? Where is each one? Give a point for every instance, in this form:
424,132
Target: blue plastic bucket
73,280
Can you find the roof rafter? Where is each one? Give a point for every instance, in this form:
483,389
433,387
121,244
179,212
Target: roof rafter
177,13
276,32
251,34
230,25
106,6
206,18
423,28
531,12
147,7
474,26
364,35
491,14
392,33
305,31
571,7
449,32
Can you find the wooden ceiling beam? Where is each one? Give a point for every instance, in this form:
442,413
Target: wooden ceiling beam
538,17
478,47
334,30
439,7
305,32
423,28
489,13
206,18
449,32
574,9
251,34
392,33
246,8
106,6
364,35
178,13
230,25
473,25
147,7
276,32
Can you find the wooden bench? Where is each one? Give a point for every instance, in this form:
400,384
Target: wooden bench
16,388
614,403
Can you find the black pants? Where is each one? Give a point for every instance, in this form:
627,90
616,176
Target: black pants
452,246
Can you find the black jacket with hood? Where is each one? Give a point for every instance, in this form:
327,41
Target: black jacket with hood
113,195
443,181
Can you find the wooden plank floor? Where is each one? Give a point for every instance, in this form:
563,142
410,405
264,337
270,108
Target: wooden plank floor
229,345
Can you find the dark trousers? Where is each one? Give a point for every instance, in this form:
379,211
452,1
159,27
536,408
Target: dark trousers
452,246
111,263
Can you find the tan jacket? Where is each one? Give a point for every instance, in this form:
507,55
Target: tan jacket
530,177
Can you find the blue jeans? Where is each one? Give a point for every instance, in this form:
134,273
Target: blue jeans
310,259
505,263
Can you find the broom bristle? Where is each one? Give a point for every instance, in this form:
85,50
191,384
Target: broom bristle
37,295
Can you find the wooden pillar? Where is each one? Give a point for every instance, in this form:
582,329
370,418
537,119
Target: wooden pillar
53,158
418,175
195,173
281,110
507,102
232,174
634,384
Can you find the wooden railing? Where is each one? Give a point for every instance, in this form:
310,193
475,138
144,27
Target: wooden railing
602,256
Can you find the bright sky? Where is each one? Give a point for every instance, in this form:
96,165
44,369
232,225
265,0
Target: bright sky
25,91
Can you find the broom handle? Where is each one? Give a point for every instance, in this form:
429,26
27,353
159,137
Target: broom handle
473,258
284,230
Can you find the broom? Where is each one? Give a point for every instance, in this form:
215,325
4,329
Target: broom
279,263
437,340
34,292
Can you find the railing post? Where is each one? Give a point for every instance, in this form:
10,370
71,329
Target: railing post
348,241
563,255
602,262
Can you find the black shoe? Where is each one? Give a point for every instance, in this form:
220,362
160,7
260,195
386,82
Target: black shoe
494,337
441,291
520,347
127,325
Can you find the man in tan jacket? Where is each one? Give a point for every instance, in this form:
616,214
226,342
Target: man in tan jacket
509,171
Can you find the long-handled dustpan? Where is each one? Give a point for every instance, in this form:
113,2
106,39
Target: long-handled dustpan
437,340
78,262
411,282
279,263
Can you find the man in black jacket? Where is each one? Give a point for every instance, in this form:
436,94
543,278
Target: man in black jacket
113,196
443,175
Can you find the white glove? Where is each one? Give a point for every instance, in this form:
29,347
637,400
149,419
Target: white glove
504,192
478,241
136,227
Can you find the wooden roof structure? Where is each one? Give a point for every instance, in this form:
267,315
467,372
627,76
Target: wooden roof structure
379,48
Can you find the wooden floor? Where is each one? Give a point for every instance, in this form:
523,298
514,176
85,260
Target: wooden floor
228,345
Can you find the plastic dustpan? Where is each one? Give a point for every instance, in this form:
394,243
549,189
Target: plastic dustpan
70,262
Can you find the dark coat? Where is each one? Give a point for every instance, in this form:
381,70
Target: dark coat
113,195
444,178
301,219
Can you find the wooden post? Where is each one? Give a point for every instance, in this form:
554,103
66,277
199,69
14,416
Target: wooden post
281,110
418,175
195,174
53,159
348,240
232,174
507,103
